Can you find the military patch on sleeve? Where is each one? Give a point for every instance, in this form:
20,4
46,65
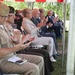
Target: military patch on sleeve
1,26
2,41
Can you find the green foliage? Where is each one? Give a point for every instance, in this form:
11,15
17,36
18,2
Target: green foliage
68,11
56,7
58,69
16,5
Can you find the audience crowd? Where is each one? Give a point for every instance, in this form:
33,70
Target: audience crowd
28,35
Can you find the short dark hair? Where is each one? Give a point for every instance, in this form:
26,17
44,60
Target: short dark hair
11,9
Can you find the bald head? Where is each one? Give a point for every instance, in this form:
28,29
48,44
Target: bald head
35,13
49,13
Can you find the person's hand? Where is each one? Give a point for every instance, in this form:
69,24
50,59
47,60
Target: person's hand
32,38
43,22
17,32
17,36
46,19
22,46
15,39
40,24
23,43
28,36
55,19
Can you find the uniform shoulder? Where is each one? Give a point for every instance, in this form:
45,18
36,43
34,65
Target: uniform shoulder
1,27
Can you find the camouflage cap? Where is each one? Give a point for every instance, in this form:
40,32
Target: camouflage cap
4,9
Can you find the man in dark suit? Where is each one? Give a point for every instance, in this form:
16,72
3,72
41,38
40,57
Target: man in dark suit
45,30
56,27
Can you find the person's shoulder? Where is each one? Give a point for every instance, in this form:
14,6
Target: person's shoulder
33,19
25,19
1,26
1,30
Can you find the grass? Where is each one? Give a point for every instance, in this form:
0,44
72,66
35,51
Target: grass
58,69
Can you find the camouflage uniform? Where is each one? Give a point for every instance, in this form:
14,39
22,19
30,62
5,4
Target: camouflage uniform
28,68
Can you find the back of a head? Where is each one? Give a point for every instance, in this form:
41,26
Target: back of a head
11,9
35,13
4,9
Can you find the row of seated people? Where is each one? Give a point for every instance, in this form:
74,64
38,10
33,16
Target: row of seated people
49,25
11,41
33,31
9,45
54,29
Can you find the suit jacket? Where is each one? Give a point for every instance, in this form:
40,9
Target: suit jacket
50,20
34,20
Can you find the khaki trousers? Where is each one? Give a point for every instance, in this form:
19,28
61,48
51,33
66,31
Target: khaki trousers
33,66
